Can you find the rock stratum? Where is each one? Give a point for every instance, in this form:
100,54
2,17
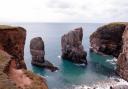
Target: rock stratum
107,39
72,48
122,63
13,73
112,39
12,40
37,50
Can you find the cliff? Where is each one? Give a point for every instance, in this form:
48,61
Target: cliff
72,48
122,63
12,40
12,67
108,39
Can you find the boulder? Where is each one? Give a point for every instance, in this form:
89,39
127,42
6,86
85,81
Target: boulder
119,87
38,54
107,39
72,48
122,63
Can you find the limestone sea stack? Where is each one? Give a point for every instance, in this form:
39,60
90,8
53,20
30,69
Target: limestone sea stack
107,39
72,48
122,63
37,50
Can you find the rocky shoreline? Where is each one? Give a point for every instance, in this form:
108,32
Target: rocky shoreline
110,39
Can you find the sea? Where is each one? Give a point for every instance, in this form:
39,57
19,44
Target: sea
99,73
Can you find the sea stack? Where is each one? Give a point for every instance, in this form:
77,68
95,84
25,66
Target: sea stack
37,50
107,39
72,48
13,73
122,63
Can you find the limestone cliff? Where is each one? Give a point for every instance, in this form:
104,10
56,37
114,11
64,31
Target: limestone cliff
12,67
122,63
12,40
108,39
72,48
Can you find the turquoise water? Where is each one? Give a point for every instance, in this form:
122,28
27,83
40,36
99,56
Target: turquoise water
69,74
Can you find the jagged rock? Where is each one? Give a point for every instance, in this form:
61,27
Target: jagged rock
72,48
38,52
108,39
122,63
119,87
12,40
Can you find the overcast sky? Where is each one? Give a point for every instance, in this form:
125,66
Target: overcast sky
63,10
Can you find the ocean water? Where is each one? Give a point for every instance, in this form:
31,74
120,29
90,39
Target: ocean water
69,75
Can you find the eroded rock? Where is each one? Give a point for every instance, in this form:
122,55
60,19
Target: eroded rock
38,54
72,48
12,67
122,63
12,40
108,39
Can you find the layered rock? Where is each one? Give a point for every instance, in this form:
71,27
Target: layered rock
72,48
38,54
108,39
12,40
122,63
12,73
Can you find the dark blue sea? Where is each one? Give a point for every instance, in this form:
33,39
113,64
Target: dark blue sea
69,75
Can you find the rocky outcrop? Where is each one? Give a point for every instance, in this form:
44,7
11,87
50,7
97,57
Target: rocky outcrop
12,67
38,52
12,40
120,87
108,39
72,48
122,63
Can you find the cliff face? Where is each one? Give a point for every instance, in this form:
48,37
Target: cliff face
12,40
108,39
72,48
38,54
122,63
12,67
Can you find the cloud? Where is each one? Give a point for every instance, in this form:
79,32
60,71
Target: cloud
64,10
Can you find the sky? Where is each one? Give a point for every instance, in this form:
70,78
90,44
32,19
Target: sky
99,11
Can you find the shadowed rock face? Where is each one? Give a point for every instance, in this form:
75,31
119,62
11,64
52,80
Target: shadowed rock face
12,40
122,63
72,48
38,52
108,39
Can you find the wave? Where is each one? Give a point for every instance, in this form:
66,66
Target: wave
105,84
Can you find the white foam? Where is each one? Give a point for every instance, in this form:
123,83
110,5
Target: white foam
104,84
112,61
59,56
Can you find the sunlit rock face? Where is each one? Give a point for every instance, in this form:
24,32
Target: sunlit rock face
72,48
12,67
122,63
107,39
12,40
38,54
